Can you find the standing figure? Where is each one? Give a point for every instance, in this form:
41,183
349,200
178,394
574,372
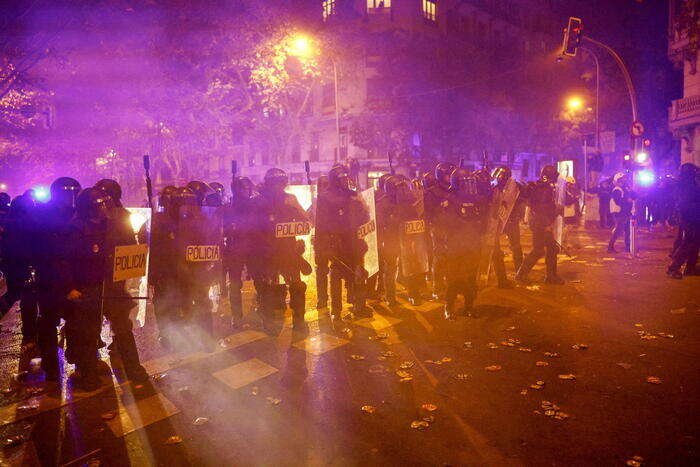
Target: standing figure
404,240
437,201
342,217
50,238
86,271
604,195
465,222
688,206
543,214
238,242
116,305
621,208
321,249
162,262
511,228
277,219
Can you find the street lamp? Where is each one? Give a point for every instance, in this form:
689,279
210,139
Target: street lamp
301,46
574,103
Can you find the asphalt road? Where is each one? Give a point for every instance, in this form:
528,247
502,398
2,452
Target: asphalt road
469,394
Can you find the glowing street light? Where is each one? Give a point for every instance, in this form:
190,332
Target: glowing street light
300,46
641,158
574,103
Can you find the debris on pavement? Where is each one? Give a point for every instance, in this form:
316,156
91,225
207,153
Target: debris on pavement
446,359
635,461
429,407
109,415
552,354
626,366
15,440
523,392
579,346
533,287
538,385
541,363
678,311
380,336
370,409
524,349
388,354
666,335
567,376
646,336
274,400
467,345
403,374
492,345
419,424
199,421
406,365
462,376
357,357
254,391
493,368
159,376
653,380
173,440
552,410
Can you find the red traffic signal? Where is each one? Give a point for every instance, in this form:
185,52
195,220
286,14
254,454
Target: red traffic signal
647,142
572,36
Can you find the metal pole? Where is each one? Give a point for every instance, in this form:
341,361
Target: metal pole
633,103
337,109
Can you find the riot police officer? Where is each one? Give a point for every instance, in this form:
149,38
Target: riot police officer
238,241
382,204
465,221
116,306
50,235
321,249
17,264
88,262
161,264
341,217
437,201
199,239
220,190
501,176
404,239
687,195
541,197
621,208
277,219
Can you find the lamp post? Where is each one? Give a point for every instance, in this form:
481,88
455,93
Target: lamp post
337,108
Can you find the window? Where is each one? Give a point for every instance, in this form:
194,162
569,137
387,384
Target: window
328,8
377,5
328,95
429,10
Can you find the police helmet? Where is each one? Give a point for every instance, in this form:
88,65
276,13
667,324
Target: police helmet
339,178
201,190
501,175
443,172
65,191
549,174
241,188
381,183
112,188
21,205
4,200
322,183
91,203
463,182
219,188
428,180
275,179
165,198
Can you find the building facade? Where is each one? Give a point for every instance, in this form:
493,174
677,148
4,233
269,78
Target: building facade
683,50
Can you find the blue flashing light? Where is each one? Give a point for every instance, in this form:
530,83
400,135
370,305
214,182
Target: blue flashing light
41,193
645,177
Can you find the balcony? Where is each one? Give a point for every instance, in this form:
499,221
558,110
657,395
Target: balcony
684,112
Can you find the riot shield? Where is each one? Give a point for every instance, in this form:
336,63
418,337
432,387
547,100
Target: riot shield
306,196
199,240
131,262
413,240
560,198
500,209
368,233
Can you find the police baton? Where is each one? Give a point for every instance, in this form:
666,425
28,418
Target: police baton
391,163
307,168
485,159
149,186
461,163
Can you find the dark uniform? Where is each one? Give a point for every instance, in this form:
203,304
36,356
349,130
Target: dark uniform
511,229
437,202
543,214
116,306
403,227
276,251
18,266
464,219
238,241
87,266
688,207
162,263
340,215
622,198
50,238
322,254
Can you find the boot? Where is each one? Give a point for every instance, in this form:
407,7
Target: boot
297,302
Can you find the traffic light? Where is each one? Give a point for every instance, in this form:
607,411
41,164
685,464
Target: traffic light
572,36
